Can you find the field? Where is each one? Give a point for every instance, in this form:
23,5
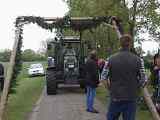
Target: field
27,93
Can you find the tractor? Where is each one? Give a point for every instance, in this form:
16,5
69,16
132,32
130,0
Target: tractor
67,54
66,59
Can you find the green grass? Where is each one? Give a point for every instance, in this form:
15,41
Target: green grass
27,93
102,95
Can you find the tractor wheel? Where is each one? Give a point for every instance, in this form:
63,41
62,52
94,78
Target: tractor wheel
51,82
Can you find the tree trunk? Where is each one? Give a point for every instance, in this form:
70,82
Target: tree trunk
133,21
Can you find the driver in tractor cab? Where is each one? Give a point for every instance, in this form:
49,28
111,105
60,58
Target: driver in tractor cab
69,49
69,46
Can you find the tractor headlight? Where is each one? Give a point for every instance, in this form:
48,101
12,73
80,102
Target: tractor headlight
71,66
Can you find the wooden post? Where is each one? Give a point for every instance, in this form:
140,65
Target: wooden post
150,104
8,78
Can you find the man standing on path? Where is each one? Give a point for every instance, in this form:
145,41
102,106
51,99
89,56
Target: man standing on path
92,81
124,73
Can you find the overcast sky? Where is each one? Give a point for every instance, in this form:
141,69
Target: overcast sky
33,35
10,9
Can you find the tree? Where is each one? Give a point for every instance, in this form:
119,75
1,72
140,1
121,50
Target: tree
143,17
31,55
28,55
139,16
43,48
102,35
5,55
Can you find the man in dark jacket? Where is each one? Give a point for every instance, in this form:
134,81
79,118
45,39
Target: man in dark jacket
92,80
124,73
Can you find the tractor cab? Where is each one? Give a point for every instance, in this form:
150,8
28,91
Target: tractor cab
71,59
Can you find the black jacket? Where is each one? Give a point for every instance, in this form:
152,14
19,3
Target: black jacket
1,69
155,77
124,70
92,76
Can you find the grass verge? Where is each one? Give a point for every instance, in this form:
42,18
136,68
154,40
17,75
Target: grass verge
27,93
103,96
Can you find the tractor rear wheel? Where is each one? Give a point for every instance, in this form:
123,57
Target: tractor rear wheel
51,82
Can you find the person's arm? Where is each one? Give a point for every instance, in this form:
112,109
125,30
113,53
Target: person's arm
105,76
115,27
153,75
143,77
116,24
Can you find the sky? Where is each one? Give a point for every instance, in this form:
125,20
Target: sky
33,35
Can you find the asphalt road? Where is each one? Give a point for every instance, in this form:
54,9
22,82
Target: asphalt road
68,104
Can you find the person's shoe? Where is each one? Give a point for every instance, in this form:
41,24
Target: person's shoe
92,111
95,111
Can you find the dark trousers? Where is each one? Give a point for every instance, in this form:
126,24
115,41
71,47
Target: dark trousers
126,108
90,96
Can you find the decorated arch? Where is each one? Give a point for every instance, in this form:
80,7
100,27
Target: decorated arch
77,24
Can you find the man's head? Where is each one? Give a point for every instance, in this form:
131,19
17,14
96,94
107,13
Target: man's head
126,41
157,61
93,54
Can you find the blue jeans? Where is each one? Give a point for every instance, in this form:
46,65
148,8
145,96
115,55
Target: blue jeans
90,95
126,108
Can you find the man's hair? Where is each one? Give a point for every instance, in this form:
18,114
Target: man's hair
125,41
93,54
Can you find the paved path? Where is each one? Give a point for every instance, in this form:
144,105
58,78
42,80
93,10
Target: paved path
68,104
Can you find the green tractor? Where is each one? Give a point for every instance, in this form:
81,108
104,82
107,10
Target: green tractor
66,59
67,54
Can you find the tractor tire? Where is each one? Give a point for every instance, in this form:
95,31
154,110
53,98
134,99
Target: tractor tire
51,82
